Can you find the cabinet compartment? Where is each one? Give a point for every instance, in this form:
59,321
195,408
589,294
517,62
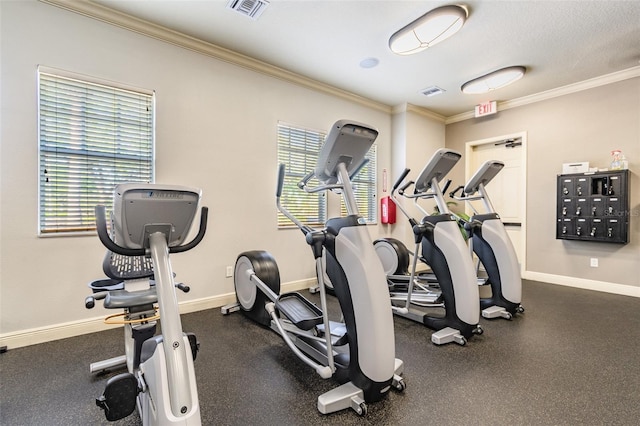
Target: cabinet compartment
597,228
593,207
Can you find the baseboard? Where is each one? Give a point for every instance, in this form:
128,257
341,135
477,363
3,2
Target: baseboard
603,286
44,334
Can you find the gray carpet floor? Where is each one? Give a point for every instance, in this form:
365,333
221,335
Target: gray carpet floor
571,359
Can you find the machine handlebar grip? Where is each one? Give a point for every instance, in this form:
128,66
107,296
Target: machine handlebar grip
360,167
305,179
184,288
452,194
281,173
446,186
405,186
403,175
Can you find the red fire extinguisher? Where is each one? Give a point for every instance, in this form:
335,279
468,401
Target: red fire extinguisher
387,210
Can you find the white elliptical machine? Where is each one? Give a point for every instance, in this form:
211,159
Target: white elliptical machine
491,243
440,243
149,221
359,352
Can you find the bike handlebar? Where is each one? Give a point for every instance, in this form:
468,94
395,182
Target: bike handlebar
103,234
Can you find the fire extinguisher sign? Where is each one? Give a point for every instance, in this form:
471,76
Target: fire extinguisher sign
384,180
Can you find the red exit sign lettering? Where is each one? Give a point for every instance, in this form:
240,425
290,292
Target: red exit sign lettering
486,108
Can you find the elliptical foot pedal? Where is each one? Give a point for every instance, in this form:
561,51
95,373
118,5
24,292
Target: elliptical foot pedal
496,312
304,314
119,397
448,335
344,396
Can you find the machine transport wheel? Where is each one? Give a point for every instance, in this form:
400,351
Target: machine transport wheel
520,309
401,386
249,296
478,330
362,409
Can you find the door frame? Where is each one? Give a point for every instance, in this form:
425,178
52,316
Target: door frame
469,146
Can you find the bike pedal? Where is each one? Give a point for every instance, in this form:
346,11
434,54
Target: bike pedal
119,397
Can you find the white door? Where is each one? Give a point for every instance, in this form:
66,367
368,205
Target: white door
507,191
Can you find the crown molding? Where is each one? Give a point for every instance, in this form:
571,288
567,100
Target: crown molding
158,32
603,80
398,109
161,33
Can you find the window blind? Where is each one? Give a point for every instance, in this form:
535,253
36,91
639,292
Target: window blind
91,137
364,188
298,149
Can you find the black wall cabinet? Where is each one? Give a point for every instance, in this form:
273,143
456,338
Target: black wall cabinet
594,207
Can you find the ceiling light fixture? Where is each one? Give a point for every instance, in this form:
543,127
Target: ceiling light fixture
431,28
494,80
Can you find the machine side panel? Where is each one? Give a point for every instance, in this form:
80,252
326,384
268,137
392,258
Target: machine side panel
494,233
371,304
448,239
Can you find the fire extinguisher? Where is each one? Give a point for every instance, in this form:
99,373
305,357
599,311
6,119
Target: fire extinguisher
387,210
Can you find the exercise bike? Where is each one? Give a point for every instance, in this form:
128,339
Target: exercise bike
439,242
359,352
490,242
149,221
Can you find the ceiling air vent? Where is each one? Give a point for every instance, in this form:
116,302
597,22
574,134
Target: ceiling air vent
251,8
432,91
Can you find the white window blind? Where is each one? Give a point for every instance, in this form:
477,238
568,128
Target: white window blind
364,188
298,149
91,137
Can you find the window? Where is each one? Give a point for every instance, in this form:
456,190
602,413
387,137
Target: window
364,188
298,149
92,136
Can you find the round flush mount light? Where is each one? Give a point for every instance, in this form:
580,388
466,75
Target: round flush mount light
431,28
494,80
369,63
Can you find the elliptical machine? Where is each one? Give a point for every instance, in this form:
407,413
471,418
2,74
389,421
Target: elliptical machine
439,242
149,221
359,353
492,245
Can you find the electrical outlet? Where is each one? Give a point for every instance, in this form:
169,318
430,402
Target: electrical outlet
229,271
594,262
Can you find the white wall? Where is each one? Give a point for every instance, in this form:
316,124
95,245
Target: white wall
581,126
416,136
216,129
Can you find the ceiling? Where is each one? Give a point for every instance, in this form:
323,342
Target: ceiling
559,42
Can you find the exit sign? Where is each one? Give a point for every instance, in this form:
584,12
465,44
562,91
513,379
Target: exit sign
486,108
